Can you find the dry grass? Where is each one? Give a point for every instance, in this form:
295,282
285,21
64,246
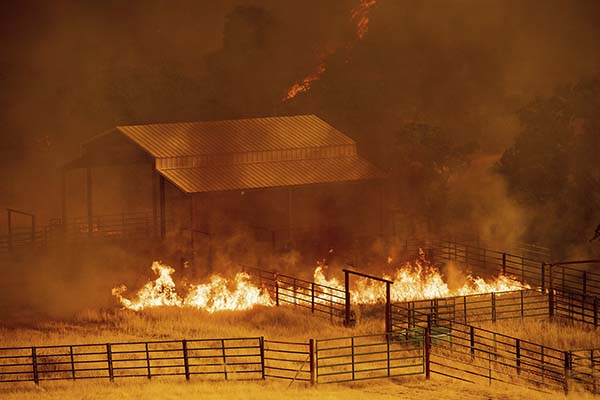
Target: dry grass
558,333
409,389
283,323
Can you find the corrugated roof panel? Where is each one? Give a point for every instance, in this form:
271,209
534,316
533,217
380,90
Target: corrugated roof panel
232,136
271,174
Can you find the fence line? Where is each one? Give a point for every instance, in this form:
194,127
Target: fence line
363,357
227,358
476,307
132,225
319,299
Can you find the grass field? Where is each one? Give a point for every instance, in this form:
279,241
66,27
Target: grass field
283,323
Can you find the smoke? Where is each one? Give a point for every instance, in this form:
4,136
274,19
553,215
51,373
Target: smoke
70,70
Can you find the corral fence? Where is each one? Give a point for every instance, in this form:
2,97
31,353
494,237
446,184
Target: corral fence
472,354
132,225
474,308
253,358
367,357
492,307
569,276
231,358
321,300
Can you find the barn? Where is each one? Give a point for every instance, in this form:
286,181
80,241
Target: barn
291,181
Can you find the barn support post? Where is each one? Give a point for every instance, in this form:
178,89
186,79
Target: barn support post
347,298
192,249
88,201
154,177
63,198
388,308
381,209
10,233
428,348
289,216
162,201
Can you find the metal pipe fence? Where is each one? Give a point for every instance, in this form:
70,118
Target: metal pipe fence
230,358
569,277
363,357
321,300
475,308
133,225
254,358
473,354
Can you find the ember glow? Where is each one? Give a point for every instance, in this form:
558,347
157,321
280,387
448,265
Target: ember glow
218,294
360,19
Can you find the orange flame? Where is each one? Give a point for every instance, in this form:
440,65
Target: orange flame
213,296
360,18
412,281
418,280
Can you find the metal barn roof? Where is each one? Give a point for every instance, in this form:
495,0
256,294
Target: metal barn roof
247,153
270,174
235,136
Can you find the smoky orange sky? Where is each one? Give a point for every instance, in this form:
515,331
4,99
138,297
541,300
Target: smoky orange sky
70,70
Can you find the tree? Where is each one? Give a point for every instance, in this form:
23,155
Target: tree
553,167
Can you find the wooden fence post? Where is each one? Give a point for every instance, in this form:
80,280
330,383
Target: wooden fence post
543,276
503,263
472,341
261,344
148,361
518,355
312,297
568,365
428,348
388,308
111,375
34,365
595,312
347,298
352,347
186,364
224,358
493,307
551,302
72,362
311,355
276,290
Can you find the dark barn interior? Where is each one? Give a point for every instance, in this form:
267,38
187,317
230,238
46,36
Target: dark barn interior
287,182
